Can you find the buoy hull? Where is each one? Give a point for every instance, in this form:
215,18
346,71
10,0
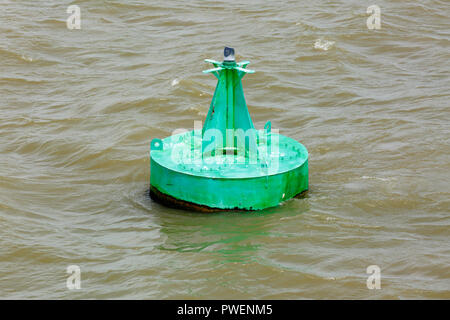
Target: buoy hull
209,195
172,202
209,192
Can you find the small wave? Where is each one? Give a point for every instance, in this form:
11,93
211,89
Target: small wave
26,58
378,178
324,45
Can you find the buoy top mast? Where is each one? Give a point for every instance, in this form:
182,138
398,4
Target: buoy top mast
228,110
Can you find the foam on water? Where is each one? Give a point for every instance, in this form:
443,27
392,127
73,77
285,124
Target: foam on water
324,45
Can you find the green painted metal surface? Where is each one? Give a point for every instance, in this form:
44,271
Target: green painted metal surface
228,164
228,111
228,182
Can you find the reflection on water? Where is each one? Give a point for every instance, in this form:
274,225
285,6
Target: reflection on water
229,237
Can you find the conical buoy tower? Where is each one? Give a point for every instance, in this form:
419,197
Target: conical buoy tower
228,164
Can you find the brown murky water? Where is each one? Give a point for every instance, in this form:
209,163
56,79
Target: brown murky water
79,108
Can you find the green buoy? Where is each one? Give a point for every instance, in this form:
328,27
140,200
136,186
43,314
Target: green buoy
228,164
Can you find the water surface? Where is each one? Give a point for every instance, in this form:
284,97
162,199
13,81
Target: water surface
78,109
